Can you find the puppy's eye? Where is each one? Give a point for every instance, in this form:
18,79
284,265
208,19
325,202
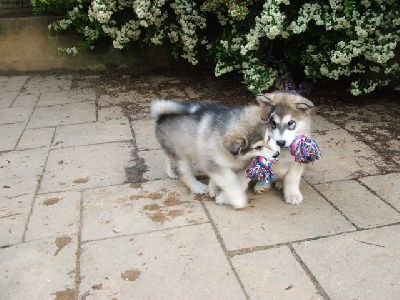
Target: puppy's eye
291,125
258,148
273,124
269,138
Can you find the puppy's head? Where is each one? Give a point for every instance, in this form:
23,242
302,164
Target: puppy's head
291,117
251,136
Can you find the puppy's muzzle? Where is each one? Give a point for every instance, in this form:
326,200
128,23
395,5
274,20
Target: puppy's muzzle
276,154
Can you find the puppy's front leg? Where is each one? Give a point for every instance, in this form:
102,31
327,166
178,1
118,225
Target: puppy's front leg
291,184
233,188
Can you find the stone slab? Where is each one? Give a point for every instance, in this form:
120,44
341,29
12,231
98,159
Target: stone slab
83,167
138,208
155,163
274,274
12,83
268,220
357,265
66,97
26,100
21,164
182,263
7,98
10,134
67,114
14,115
358,204
36,138
92,133
14,213
145,134
45,84
42,269
343,158
386,186
110,113
320,124
49,217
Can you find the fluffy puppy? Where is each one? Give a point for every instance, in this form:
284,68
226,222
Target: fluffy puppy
291,119
221,141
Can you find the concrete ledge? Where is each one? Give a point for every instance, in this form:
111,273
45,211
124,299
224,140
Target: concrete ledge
26,44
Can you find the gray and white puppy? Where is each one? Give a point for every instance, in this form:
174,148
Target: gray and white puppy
221,141
291,119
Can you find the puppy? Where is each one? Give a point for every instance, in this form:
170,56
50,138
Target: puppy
291,119
221,141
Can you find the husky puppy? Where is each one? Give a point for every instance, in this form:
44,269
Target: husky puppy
291,119
221,141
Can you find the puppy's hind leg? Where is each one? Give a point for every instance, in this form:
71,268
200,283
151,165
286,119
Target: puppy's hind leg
186,175
172,167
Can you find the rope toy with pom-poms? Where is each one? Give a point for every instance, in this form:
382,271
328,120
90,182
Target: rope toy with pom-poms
261,170
305,150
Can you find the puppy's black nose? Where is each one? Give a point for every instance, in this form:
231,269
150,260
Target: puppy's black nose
276,154
281,143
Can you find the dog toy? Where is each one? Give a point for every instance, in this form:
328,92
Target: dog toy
305,150
260,170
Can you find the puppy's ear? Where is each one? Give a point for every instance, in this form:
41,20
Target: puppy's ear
264,99
235,144
304,105
267,112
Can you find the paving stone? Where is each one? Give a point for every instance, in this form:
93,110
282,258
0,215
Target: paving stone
320,124
42,269
83,167
358,265
126,97
172,93
268,220
74,113
10,135
155,163
362,207
15,187
386,186
137,208
110,113
343,158
26,100
182,263
20,164
66,97
92,133
14,214
12,83
14,115
49,217
145,134
36,138
7,98
274,274
44,84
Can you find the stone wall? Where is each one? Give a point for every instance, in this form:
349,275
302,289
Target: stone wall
26,44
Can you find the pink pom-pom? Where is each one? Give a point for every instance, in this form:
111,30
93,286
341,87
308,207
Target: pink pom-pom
305,150
261,170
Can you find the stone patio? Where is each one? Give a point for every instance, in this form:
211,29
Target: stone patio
87,211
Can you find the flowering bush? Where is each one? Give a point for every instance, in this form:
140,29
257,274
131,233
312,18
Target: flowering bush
328,39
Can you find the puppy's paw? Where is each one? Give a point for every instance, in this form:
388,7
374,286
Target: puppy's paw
278,184
261,189
293,198
221,199
200,188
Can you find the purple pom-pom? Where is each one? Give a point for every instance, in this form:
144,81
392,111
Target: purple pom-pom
260,170
305,150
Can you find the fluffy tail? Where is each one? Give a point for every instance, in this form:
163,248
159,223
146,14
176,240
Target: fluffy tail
168,107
